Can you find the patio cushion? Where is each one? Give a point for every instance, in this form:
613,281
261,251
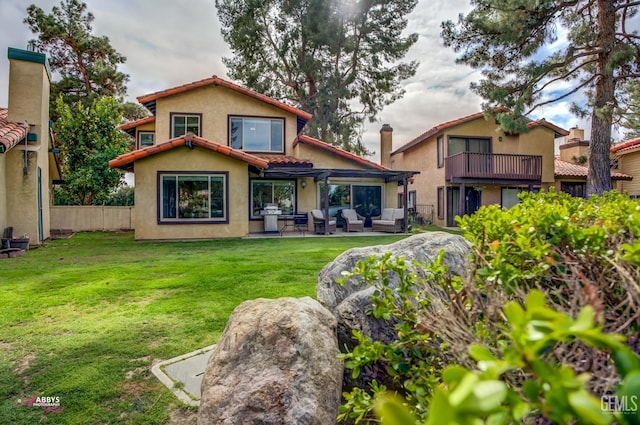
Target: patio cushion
387,214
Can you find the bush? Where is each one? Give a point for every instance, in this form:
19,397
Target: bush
581,256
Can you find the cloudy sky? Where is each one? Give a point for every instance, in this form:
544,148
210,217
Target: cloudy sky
170,42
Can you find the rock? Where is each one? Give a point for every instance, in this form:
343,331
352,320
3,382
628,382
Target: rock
423,247
275,363
351,302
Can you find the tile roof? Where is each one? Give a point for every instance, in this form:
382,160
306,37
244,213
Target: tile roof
285,161
126,160
567,169
626,146
337,151
445,125
148,100
131,125
11,133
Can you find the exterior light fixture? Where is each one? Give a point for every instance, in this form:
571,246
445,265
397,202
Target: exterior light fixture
303,184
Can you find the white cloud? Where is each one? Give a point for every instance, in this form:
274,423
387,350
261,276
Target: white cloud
168,43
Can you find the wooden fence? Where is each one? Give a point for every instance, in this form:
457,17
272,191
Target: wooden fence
91,218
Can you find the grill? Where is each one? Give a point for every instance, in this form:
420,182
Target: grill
270,214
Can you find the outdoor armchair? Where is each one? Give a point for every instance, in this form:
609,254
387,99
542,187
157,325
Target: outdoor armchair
352,221
319,222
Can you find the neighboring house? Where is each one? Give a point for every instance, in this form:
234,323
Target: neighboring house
468,162
215,154
571,173
627,157
28,164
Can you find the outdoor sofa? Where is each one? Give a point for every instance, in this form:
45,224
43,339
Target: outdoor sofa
391,220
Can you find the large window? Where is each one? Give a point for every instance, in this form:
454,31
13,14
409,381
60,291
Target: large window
578,190
256,134
279,192
468,144
366,200
191,197
181,124
509,196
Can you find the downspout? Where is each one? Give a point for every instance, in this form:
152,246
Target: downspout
25,168
405,206
326,204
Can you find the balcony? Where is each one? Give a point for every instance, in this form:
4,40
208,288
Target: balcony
488,166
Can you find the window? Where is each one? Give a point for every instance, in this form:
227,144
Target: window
440,147
191,197
411,199
366,200
256,134
181,124
440,206
468,144
279,192
146,138
509,196
578,190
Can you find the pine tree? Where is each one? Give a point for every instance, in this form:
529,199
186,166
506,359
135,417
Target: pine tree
85,66
337,59
509,40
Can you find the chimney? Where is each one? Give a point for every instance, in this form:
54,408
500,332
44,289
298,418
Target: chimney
386,143
575,149
575,135
27,164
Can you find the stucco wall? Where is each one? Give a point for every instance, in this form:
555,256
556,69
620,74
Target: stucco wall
423,158
3,192
28,100
216,103
630,164
184,159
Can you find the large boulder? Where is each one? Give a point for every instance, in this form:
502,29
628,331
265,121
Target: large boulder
351,301
423,247
275,363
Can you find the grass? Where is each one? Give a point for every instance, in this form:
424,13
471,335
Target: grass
84,319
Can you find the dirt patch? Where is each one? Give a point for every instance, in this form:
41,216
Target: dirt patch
183,417
61,233
24,364
141,359
139,371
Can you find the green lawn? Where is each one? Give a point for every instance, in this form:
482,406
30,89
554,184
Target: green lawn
84,318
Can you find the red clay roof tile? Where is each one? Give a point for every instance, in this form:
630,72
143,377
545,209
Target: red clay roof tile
567,169
145,99
445,125
133,124
11,133
126,160
337,151
626,146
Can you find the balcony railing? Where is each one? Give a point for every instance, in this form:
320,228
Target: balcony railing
493,166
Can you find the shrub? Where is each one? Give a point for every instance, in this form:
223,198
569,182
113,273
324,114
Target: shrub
581,255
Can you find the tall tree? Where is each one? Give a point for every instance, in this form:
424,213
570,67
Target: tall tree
510,40
337,59
87,65
91,138
629,110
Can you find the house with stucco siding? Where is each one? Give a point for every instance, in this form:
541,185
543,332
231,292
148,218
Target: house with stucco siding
214,155
469,162
28,159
